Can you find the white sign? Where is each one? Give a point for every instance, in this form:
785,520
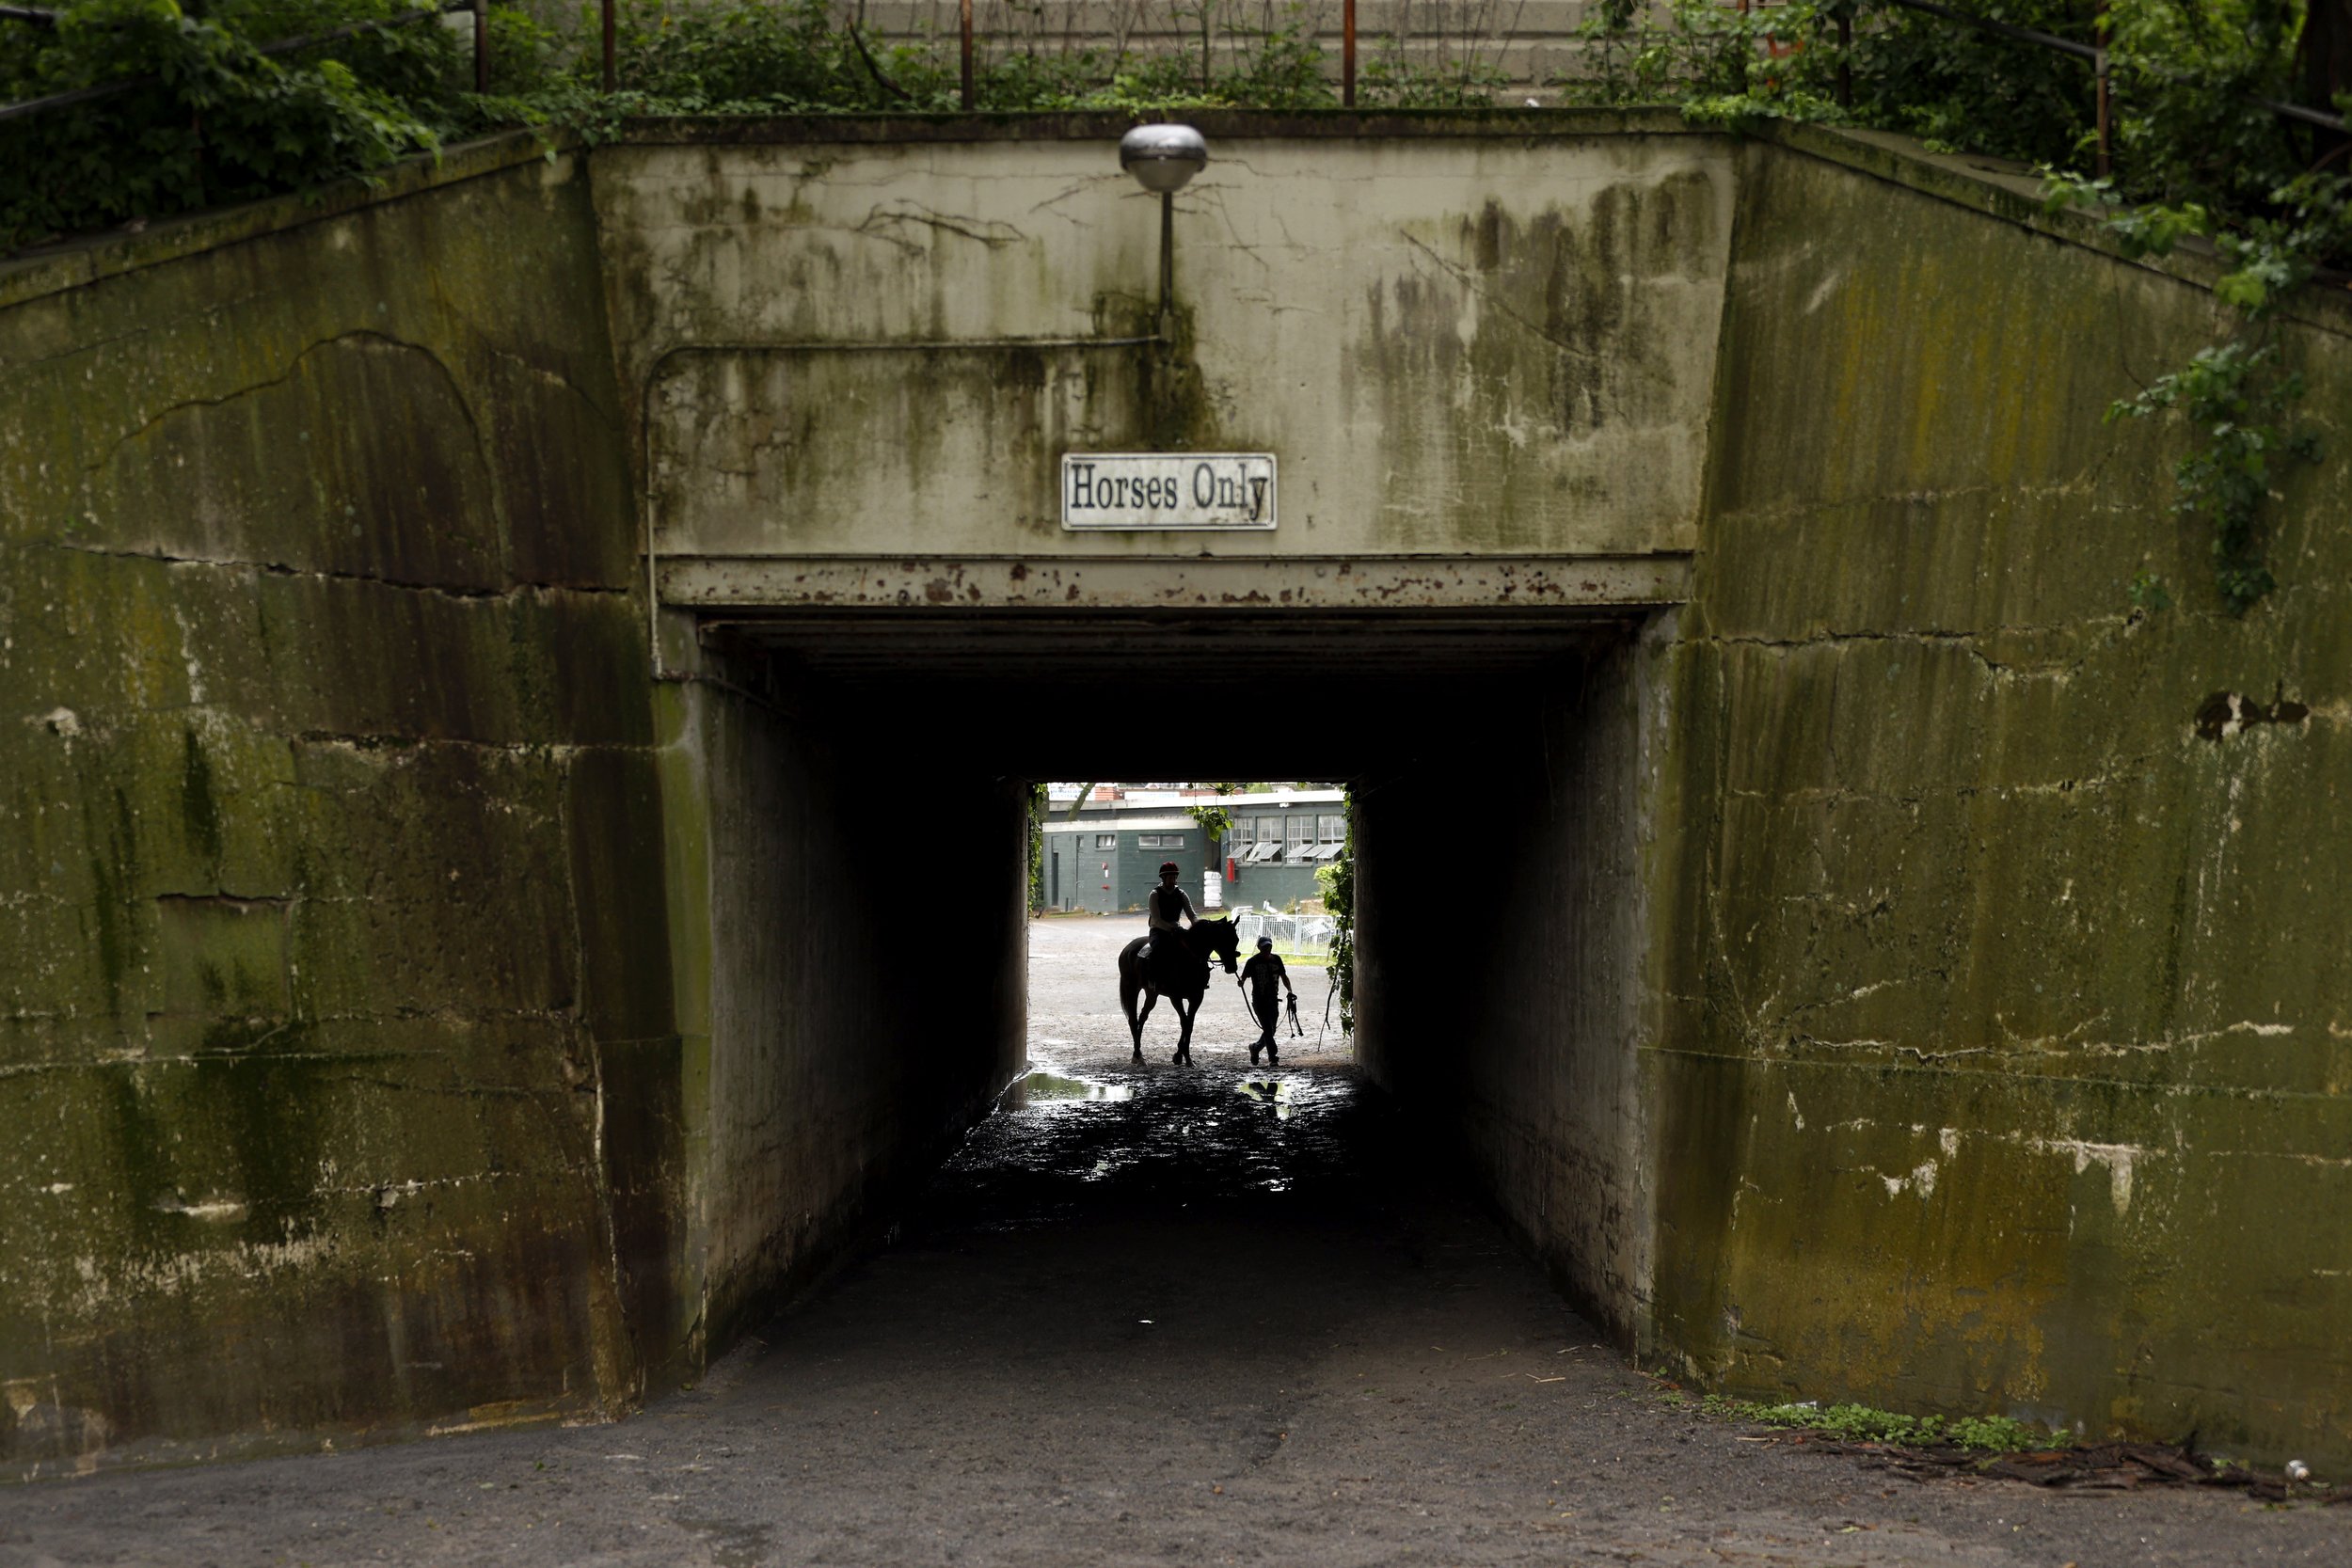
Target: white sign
1168,490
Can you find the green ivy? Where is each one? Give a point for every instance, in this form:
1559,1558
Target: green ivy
1336,879
1037,847
2237,395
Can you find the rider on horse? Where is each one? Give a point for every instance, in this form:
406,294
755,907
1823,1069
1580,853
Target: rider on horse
1168,909
1170,961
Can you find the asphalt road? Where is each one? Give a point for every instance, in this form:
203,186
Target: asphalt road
1152,1315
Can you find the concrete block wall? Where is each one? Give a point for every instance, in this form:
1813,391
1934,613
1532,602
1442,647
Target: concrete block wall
1974,935
324,1061
415,1017
850,1000
2006,1058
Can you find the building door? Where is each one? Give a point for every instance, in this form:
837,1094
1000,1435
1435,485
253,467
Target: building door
1053,879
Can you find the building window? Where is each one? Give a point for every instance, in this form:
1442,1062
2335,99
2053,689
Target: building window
1106,841
1269,829
1334,828
1302,828
1159,841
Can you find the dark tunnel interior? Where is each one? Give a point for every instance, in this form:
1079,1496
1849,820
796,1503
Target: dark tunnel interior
1509,1020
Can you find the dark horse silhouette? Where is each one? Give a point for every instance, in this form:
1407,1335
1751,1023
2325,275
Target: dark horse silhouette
1180,971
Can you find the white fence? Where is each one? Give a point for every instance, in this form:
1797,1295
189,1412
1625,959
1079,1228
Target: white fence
1292,933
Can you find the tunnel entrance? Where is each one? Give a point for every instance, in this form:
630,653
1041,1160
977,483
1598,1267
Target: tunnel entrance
859,785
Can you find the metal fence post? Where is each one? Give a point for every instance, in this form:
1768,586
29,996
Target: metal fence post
612,65
2106,160
1347,55
1845,60
482,46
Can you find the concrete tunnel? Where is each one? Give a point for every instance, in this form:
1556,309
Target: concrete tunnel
1513,1022
468,638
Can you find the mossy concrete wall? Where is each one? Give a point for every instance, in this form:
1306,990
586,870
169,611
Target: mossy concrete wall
421,1012
416,1015
2008,1032
336,1005
839,1035
1457,344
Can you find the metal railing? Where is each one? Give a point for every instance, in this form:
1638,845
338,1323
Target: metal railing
2096,54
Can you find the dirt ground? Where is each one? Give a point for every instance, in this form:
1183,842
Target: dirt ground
1152,1315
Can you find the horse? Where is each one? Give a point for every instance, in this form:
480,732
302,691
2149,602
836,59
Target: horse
1180,964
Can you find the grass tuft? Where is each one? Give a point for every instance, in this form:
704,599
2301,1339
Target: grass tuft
1862,1423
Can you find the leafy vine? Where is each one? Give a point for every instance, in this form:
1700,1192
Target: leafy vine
1338,880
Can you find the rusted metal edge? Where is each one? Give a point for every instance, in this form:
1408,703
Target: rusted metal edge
1540,125
1238,583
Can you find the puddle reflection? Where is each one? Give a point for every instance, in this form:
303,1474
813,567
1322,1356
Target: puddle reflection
1048,1088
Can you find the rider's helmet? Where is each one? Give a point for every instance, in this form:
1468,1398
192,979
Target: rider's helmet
1265,945
1169,868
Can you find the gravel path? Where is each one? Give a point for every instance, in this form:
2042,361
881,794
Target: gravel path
1149,1316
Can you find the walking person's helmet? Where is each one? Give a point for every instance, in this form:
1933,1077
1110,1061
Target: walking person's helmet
1169,868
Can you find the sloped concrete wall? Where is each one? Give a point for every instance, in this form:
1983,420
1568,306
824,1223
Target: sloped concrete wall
335,1020
418,1015
2008,1033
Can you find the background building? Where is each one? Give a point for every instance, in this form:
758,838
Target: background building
1107,856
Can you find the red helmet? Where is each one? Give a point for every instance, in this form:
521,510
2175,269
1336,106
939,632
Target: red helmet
1168,868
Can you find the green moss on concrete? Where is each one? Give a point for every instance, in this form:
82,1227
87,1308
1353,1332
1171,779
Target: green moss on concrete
388,1061
1999,1069
319,589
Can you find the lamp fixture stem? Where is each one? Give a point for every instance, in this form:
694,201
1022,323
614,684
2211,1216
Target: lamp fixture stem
1168,259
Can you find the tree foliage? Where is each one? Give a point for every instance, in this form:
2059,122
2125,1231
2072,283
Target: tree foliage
2194,155
221,122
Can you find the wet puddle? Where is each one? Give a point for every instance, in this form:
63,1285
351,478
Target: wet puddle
1047,1089
1078,1137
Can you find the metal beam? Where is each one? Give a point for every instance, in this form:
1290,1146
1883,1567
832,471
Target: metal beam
1202,583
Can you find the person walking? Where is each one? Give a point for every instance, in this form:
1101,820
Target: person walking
1260,977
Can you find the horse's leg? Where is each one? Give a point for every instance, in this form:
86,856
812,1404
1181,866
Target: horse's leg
1184,1028
1127,1005
1151,1000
